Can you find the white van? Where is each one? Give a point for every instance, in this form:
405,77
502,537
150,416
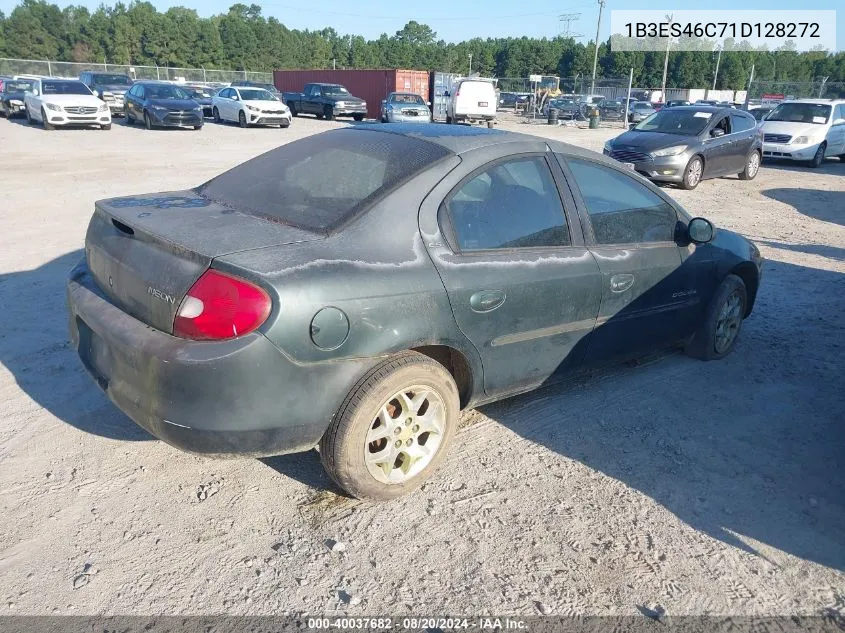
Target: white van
472,100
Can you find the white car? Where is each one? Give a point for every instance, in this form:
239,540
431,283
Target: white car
805,129
249,106
65,103
472,100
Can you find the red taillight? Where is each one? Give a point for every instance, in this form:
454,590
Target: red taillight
221,306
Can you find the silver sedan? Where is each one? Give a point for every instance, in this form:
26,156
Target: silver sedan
404,107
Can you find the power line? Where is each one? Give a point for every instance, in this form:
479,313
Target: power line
566,21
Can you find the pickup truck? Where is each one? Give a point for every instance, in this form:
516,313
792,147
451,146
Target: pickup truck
327,101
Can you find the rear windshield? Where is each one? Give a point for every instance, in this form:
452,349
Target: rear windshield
112,80
321,181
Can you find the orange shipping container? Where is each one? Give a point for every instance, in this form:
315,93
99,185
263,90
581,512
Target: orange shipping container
370,85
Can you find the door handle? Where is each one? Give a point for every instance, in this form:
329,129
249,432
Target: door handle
621,283
487,300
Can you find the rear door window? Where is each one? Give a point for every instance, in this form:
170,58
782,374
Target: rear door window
321,181
512,204
740,123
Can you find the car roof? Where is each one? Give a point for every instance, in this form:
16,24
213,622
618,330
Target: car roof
816,101
713,109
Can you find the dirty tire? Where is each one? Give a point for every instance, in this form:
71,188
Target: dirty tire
343,446
752,166
818,159
704,343
693,173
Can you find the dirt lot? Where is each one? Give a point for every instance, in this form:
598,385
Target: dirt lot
700,487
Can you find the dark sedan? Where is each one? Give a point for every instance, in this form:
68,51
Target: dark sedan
202,96
160,104
356,289
12,97
611,110
687,144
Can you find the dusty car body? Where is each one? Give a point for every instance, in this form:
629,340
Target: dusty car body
291,302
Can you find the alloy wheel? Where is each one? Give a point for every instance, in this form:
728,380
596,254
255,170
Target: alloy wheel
727,325
753,165
694,174
405,435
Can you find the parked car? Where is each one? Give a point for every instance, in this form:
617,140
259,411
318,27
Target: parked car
64,103
326,101
707,102
254,84
611,110
687,144
674,103
110,87
161,104
472,101
404,107
202,96
514,100
250,106
760,112
12,95
806,129
294,300
639,111
566,108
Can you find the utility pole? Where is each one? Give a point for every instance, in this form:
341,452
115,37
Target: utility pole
716,74
596,54
666,60
748,90
470,65
821,90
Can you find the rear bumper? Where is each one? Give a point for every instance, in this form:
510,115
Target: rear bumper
236,397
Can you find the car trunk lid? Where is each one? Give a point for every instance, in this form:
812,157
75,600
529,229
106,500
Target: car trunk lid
145,252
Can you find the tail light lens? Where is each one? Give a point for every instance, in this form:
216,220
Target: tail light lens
220,306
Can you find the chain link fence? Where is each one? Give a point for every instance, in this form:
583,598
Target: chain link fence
165,73
820,89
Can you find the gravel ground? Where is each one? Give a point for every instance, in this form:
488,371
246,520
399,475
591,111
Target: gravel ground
701,488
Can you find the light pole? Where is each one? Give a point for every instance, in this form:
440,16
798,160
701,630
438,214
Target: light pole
470,65
666,60
596,54
716,74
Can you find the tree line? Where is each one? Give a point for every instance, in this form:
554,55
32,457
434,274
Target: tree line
243,39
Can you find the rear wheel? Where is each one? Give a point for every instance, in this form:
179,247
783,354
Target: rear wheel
242,119
449,120
148,122
393,429
44,122
692,174
490,125
718,333
216,114
752,166
818,158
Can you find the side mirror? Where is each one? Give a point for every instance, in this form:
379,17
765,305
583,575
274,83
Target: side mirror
700,231
717,132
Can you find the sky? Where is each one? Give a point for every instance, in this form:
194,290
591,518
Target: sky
456,20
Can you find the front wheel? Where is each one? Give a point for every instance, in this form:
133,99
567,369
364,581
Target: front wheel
148,122
718,333
129,119
692,174
197,127
449,120
216,114
45,122
242,119
358,117
293,110
284,124
818,158
29,119
752,166
393,429
106,127
328,113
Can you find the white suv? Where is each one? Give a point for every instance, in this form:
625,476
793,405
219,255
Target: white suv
805,129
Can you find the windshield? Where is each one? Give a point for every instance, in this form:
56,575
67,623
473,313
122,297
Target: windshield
64,88
112,80
676,121
611,104
640,105
289,184
198,93
760,113
256,94
166,91
817,113
407,98
334,90
17,86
